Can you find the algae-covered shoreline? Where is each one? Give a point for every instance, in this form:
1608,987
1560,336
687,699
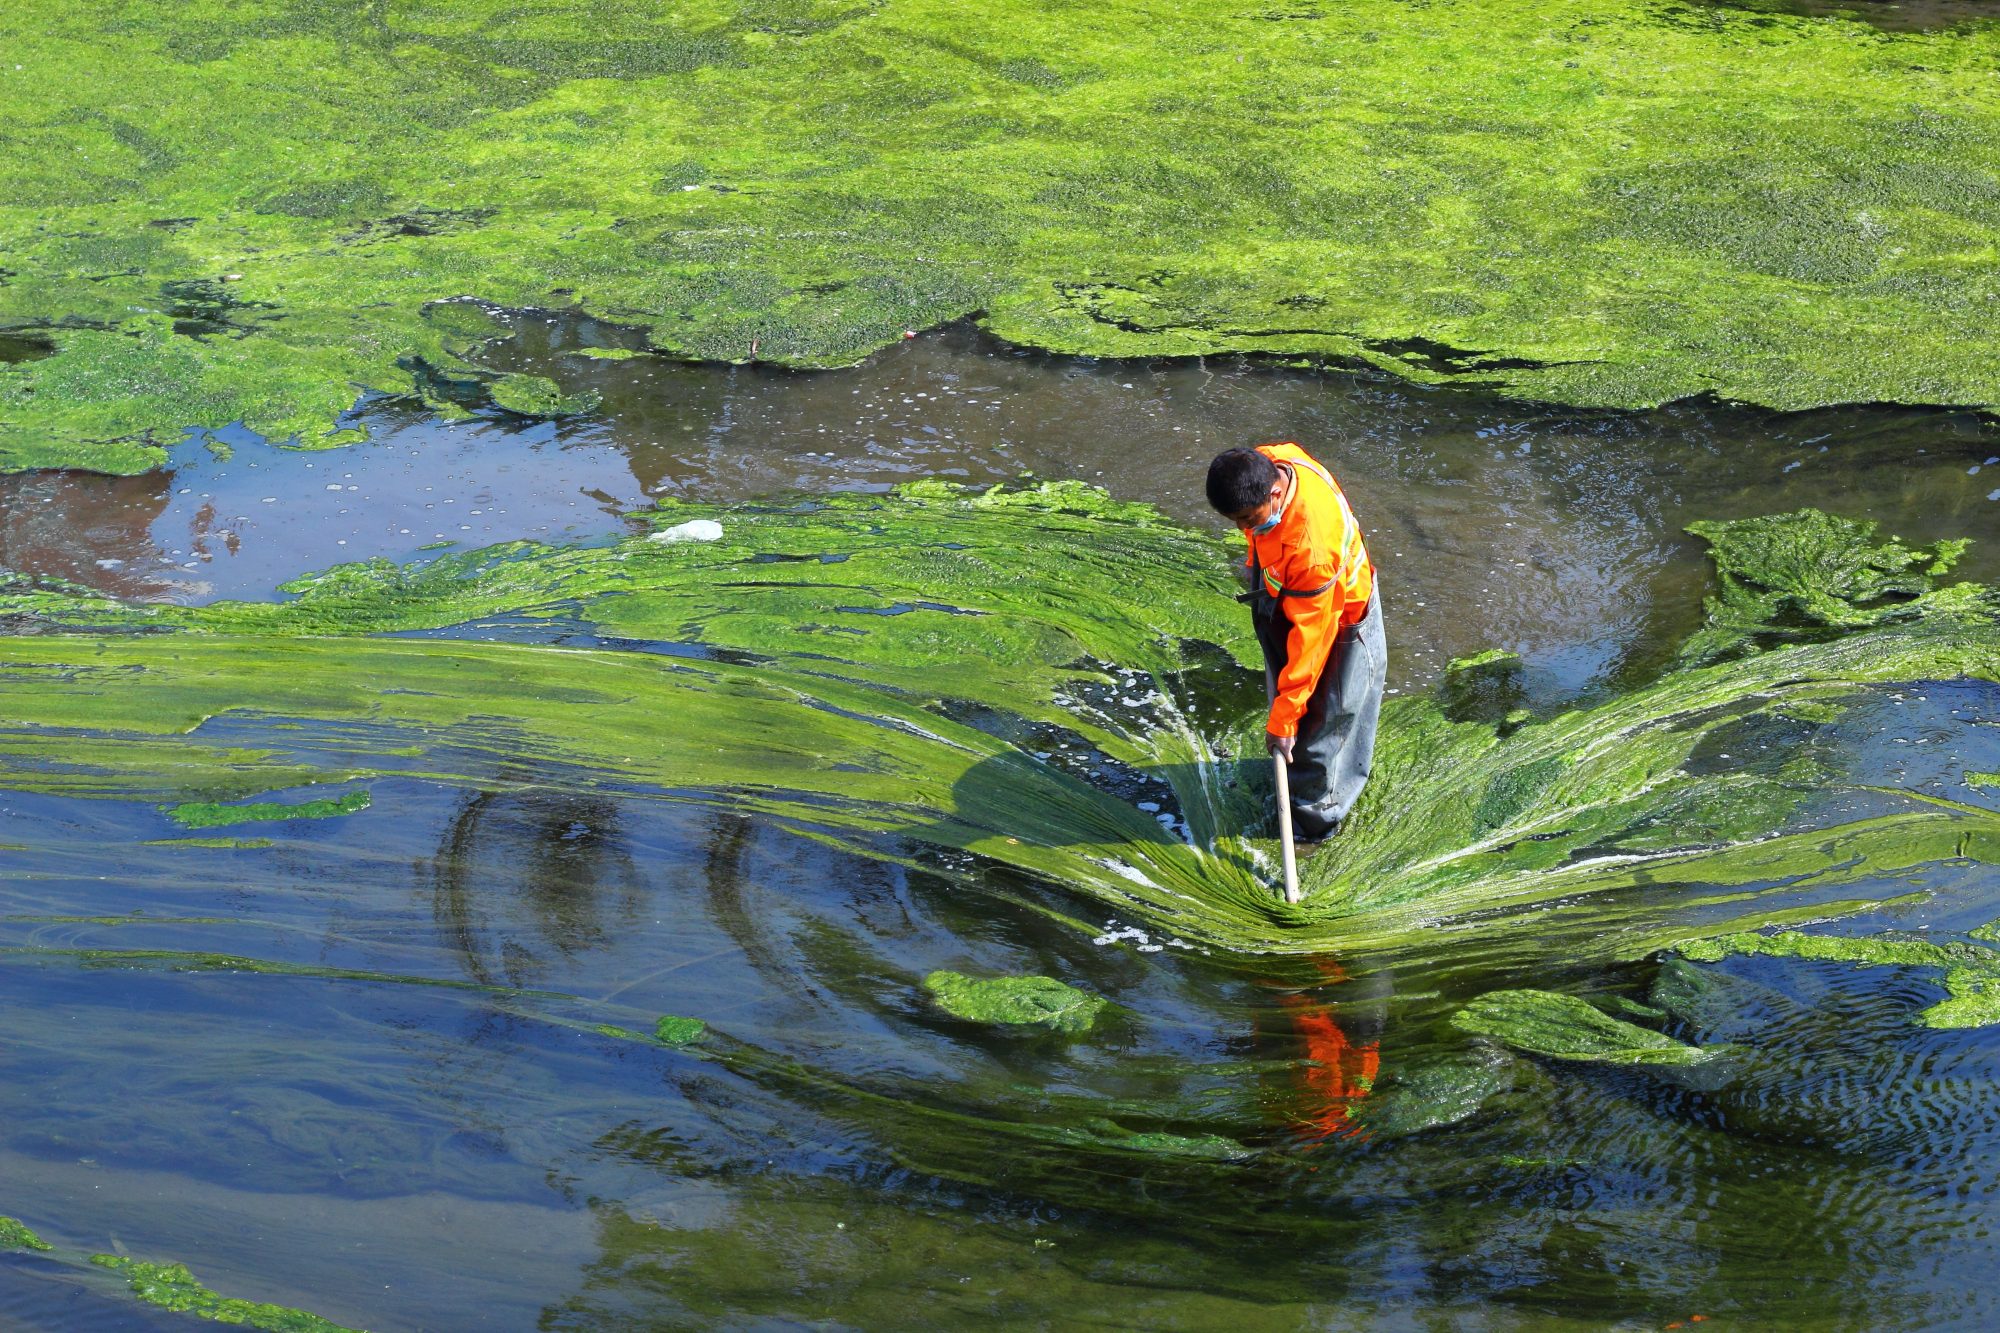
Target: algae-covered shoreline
209,220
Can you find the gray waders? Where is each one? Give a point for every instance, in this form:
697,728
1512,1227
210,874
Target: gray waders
1336,744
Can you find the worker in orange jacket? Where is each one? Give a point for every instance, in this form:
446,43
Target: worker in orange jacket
1318,620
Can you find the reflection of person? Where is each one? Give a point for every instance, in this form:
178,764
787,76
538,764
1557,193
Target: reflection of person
1342,1040
1317,618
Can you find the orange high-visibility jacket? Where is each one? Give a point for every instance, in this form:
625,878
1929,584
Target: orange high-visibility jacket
1314,563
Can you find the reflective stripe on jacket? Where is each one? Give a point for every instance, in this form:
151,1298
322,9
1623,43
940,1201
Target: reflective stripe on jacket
1315,564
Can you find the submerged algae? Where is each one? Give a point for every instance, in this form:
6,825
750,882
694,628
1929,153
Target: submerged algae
1760,207
209,814
1564,1027
1642,791
1432,1096
1015,1001
677,1031
173,1287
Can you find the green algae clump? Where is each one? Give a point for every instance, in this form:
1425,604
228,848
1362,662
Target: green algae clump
15,1235
205,814
674,1030
538,396
1982,779
1432,1096
1563,1027
1098,1132
1876,950
173,1287
1806,576
1040,1002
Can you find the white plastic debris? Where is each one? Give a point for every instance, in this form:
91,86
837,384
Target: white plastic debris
694,530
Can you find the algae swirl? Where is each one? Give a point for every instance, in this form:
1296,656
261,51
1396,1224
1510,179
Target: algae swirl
209,220
938,672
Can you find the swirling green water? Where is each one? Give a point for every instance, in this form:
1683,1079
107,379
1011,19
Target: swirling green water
869,667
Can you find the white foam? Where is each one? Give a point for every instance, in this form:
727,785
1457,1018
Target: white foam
694,530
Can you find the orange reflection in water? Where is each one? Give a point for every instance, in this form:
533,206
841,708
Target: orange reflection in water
1342,1057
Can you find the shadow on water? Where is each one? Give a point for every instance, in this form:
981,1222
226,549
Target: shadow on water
577,880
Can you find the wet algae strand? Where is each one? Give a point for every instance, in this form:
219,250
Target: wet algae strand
992,673
1715,776
173,1287
1588,201
932,666
1564,1027
15,1235
210,814
1971,972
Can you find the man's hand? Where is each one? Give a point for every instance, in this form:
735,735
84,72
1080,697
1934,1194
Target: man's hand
1279,745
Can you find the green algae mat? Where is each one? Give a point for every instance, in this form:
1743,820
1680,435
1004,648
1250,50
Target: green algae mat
217,213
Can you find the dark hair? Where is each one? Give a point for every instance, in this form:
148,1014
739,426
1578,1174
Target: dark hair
1239,479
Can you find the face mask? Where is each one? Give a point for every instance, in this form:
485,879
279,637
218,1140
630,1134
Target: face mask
1268,523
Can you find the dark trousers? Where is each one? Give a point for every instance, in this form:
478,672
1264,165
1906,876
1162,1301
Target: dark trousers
1336,744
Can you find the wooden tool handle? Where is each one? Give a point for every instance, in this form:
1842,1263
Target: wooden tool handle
1284,802
1278,766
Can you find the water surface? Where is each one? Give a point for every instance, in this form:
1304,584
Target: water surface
363,1069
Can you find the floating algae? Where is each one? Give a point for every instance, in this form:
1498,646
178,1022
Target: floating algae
1791,578
1706,777
1015,1001
173,1287
777,686
1564,1027
537,396
1030,686
677,1031
1593,202
1434,1095
208,814
15,1235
